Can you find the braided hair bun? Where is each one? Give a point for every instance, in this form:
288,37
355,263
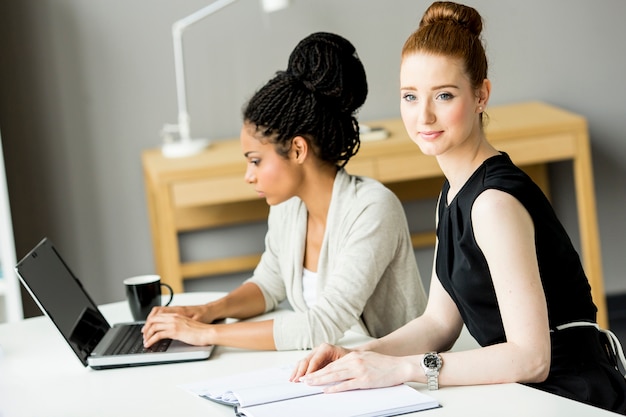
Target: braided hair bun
329,67
316,97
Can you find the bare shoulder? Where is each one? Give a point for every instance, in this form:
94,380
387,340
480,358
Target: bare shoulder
495,203
498,213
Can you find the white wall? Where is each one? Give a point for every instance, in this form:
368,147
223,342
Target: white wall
85,86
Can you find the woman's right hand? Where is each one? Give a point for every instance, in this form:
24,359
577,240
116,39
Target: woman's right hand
317,359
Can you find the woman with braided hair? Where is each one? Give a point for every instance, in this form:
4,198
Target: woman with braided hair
337,246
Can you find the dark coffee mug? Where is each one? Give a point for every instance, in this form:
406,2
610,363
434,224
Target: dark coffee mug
143,293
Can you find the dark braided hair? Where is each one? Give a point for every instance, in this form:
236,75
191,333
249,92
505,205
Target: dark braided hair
316,98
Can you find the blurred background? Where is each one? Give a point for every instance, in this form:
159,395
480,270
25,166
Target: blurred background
86,86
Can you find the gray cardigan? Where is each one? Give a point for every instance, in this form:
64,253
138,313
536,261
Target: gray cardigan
367,271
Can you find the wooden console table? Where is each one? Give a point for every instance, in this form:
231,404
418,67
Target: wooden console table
208,190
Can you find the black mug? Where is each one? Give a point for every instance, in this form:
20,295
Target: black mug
143,293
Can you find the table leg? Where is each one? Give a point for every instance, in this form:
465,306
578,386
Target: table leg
588,224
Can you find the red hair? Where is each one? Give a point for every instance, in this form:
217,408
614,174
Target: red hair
453,30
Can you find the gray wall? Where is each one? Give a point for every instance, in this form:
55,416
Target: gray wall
85,86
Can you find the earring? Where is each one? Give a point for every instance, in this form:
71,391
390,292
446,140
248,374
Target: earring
480,108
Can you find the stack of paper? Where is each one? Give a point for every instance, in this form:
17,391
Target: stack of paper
268,393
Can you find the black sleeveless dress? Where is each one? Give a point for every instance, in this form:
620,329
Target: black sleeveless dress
580,367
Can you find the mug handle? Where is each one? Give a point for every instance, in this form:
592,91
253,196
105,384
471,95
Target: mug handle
171,293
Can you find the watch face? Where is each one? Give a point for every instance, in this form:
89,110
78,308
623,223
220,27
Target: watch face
432,361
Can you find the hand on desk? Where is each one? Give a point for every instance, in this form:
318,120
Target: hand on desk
346,370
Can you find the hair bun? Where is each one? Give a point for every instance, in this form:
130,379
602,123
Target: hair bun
327,65
450,12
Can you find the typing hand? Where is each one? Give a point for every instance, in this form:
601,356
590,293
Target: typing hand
175,326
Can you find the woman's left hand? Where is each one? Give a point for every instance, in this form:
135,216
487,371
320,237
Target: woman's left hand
361,369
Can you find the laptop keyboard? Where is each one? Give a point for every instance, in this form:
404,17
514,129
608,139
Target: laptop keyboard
131,342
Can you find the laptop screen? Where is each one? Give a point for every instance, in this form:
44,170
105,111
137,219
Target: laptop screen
62,297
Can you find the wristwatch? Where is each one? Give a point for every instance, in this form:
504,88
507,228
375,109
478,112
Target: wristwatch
432,363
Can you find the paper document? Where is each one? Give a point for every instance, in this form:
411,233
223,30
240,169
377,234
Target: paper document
269,393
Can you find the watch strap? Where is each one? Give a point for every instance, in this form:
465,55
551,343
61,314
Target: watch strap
433,381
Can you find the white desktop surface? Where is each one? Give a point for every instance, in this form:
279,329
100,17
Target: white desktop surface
41,376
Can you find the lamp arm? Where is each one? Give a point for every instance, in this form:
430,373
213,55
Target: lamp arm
198,15
177,35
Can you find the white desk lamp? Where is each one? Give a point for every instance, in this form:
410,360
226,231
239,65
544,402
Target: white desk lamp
184,145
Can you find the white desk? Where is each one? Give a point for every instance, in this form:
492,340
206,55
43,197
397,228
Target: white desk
38,381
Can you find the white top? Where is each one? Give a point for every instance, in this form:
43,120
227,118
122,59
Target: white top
309,287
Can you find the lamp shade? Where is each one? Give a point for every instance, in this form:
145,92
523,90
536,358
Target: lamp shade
274,5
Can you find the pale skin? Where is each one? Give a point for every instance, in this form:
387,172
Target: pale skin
276,179
440,110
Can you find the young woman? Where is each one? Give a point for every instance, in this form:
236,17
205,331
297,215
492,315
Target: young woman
338,246
504,264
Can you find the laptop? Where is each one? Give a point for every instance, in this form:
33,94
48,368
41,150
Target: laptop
62,297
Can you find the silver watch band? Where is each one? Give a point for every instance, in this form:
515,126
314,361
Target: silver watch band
433,381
